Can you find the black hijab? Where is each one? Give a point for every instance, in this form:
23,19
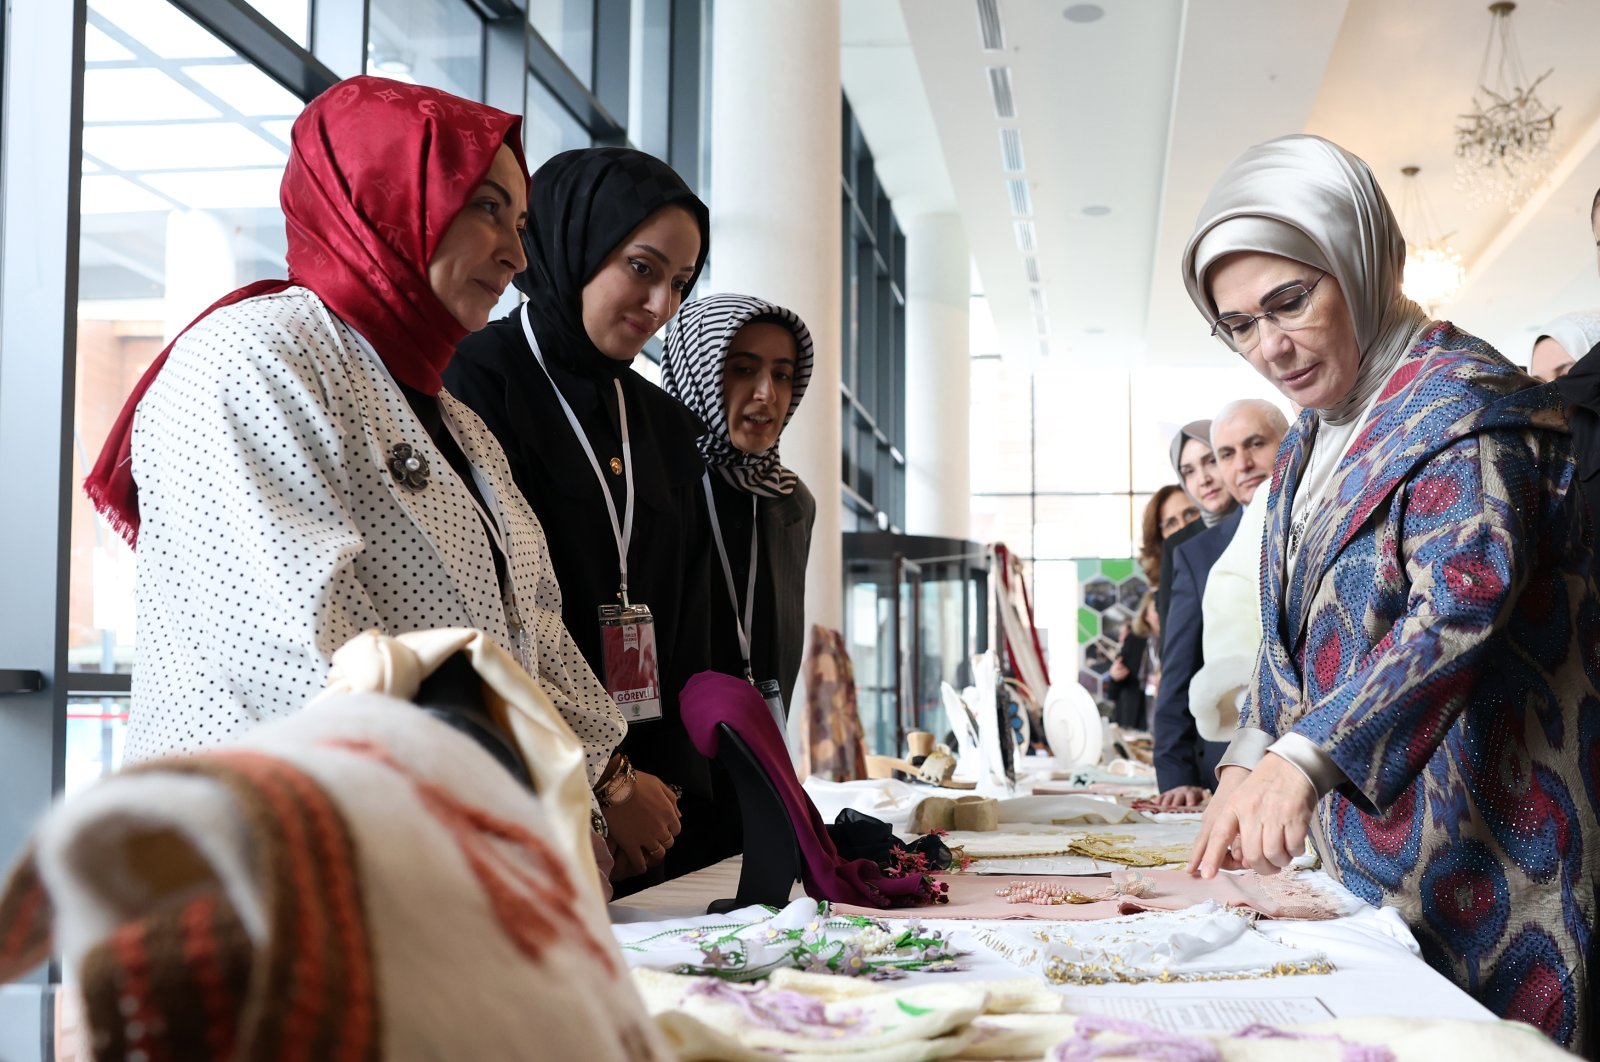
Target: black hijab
582,205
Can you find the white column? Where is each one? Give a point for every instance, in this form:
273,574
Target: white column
938,366
775,201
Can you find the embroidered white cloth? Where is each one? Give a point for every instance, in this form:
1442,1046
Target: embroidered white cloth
1203,942
709,1018
753,942
1037,848
272,532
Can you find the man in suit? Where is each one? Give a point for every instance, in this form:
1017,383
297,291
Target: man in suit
1244,437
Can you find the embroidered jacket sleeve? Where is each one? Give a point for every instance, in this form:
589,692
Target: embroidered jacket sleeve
1466,537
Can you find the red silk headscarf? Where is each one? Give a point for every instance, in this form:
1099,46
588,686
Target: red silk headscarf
377,172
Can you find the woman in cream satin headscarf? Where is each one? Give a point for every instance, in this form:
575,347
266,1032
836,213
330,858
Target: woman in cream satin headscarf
1203,482
1561,343
1427,608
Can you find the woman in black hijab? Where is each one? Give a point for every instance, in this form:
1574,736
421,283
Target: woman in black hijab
615,240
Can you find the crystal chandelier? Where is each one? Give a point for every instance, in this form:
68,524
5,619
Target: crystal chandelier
1505,144
1433,268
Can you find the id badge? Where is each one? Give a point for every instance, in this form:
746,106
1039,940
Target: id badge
628,650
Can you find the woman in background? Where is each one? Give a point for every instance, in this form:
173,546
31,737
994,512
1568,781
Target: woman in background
1136,671
1169,511
742,364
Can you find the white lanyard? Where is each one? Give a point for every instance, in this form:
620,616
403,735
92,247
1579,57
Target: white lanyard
747,621
622,530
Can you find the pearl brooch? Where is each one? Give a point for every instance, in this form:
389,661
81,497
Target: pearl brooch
408,467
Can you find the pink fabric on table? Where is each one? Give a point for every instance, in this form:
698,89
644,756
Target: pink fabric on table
709,699
973,896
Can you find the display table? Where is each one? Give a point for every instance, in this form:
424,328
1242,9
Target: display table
1377,968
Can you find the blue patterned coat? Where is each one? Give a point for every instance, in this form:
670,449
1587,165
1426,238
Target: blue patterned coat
1439,641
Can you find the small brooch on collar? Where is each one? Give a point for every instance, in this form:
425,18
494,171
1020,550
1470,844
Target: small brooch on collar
408,467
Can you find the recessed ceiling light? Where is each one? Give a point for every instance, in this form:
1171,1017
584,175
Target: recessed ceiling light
1084,13
1096,211
1094,331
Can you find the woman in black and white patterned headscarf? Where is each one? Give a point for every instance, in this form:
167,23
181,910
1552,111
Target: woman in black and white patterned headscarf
741,364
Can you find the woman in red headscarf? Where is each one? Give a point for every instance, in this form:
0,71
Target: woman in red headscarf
291,469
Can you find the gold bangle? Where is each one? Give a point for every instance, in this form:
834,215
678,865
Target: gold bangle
618,789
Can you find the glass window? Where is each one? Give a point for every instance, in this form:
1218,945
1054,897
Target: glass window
184,145
1001,427
1170,397
1004,519
1053,590
293,17
95,730
1094,525
568,27
1080,439
649,75
427,42
548,128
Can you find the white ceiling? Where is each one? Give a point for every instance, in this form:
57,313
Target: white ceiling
1139,110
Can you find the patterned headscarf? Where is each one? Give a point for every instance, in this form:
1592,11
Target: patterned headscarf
691,371
1309,199
584,203
377,172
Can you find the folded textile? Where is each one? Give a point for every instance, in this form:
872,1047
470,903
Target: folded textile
1344,1040
708,1018
1204,942
1017,995
754,942
1141,844
1087,899
1115,789
357,879
1065,810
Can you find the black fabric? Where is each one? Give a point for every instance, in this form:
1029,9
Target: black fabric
495,374
1128,693
1164,589
1181,756
1580,390
859,836
777,643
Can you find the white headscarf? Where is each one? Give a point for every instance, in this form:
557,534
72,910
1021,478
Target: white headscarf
691,371
1577,332
1306,198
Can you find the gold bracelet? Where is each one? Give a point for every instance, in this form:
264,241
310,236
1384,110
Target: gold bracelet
618,789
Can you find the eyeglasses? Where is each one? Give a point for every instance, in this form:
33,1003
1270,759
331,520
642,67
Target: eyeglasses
1287,309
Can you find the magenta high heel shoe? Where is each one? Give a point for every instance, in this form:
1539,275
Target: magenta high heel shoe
783,834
